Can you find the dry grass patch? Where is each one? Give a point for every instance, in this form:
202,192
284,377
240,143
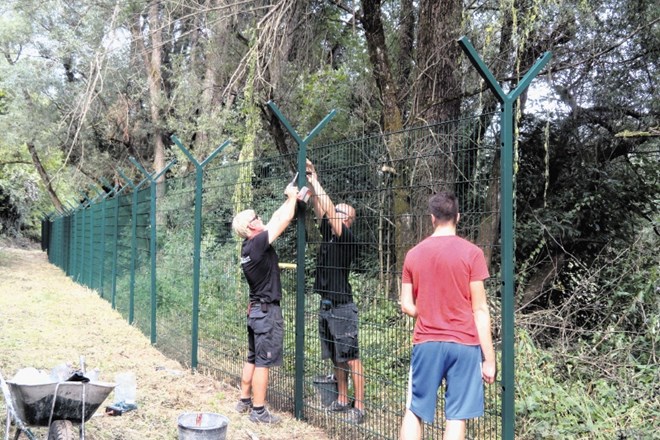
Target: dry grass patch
47,319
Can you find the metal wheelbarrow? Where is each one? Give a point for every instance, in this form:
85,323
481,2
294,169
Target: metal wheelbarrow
56,405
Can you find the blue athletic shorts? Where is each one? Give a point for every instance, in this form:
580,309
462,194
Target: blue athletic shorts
460,366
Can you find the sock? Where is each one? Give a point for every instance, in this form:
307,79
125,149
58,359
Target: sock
247,400
258,409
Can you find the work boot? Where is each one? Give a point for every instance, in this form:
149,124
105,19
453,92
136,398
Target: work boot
335,406
355,416
264,416
243,406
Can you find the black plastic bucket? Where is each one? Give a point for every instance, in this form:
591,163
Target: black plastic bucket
326,386
202,426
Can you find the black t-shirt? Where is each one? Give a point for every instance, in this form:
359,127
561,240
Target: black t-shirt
333,264
259,262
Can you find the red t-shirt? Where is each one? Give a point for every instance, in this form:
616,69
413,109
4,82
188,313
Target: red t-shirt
440,270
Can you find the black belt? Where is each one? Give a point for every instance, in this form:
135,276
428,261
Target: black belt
327,304
264,305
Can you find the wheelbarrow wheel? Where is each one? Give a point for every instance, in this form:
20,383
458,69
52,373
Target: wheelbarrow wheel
61,430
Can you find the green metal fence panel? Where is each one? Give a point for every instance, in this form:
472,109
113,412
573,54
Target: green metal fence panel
95,248
108,243
175,223
142,261
363,173
223,294
79,246
222,330
124,252
72,244
373,174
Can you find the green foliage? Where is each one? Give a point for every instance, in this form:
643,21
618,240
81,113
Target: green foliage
3,102
561,397
595,379
19,196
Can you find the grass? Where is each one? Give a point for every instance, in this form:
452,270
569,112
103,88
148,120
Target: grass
47,319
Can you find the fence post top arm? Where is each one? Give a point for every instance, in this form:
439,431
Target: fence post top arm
119,189
185,151
491,81
129,181
164,170
192,159
302,143
293,132
215,153
148,176
320,125
86,202
530,75
113,188
285,121
139,166
481,67
99,192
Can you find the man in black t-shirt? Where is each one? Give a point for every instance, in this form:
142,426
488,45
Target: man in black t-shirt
265,324
338,315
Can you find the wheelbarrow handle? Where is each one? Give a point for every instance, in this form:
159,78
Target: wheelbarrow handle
11,412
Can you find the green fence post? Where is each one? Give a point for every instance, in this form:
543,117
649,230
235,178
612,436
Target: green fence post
81,269
67,236
131,296
73,237
507,225
300,253
153,238
113,300
90,259
103,234
83,241
199,174
92,204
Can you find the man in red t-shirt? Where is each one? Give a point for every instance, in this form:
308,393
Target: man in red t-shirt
443,288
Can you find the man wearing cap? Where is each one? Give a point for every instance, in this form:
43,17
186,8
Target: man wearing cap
265,324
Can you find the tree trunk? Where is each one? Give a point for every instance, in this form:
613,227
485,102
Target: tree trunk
152,58
155,84
392,123
406,51
44,177
438,90
380,64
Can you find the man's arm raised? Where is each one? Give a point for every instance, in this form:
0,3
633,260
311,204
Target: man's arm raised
282,217
321,201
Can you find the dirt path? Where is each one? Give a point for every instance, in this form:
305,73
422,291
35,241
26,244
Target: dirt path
47,319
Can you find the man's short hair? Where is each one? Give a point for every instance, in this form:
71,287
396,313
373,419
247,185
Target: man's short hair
444,207
346,209
241,222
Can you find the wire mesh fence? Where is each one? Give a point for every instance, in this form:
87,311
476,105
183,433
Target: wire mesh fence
195,311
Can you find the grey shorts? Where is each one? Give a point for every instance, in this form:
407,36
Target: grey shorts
338,332
265,335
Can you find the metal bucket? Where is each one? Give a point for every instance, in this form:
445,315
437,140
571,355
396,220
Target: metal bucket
202,426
